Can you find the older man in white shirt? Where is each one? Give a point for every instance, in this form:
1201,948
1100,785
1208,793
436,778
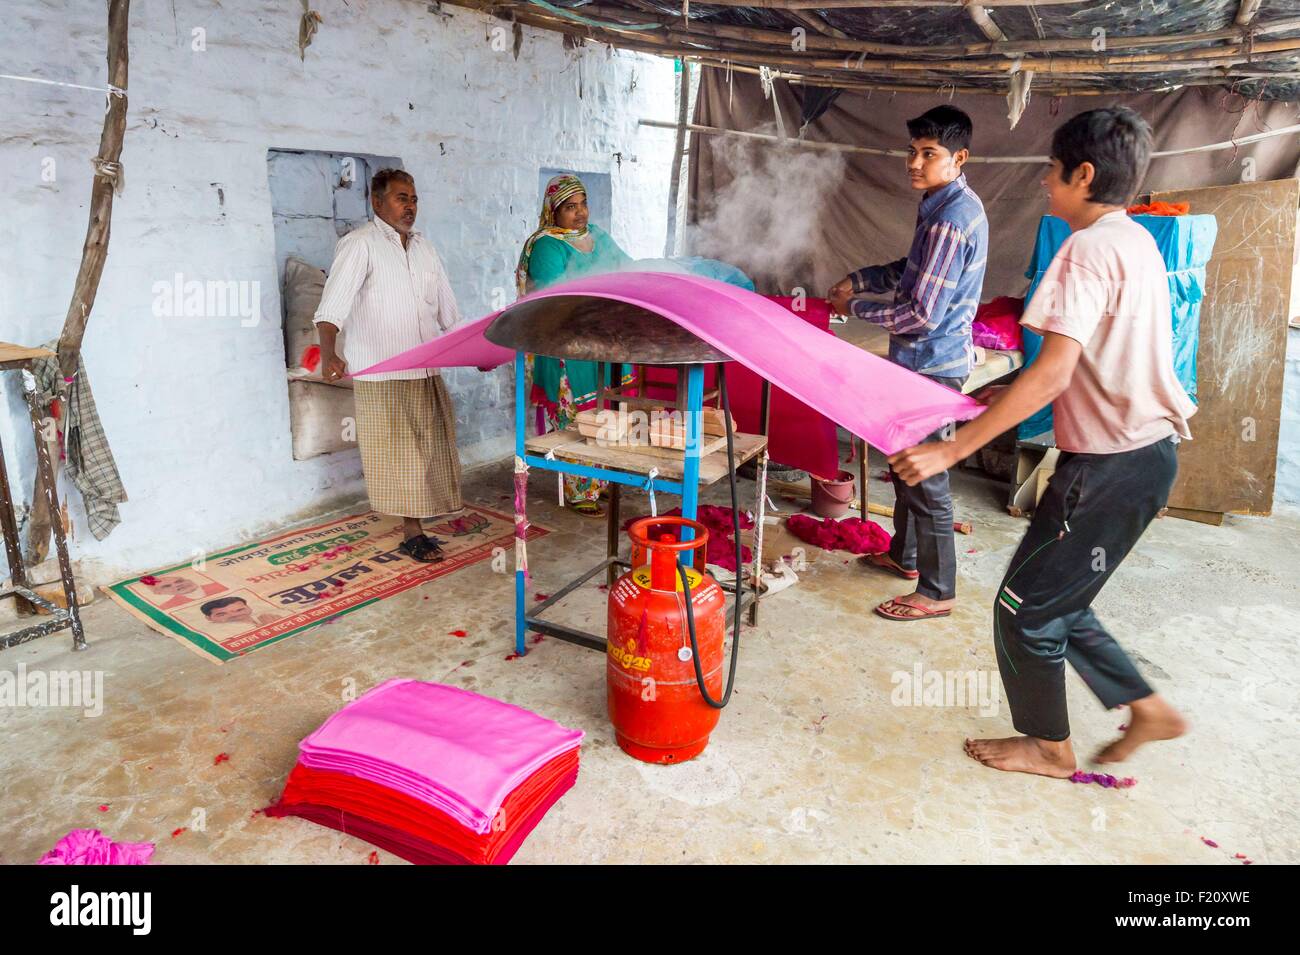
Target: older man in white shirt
388,289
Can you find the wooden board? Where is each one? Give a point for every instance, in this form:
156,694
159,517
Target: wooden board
873,338
569,446
1231,463
709,446
10,352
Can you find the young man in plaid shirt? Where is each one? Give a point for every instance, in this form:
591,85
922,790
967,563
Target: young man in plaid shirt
936,291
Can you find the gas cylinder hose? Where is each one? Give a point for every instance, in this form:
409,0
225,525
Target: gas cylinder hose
740,585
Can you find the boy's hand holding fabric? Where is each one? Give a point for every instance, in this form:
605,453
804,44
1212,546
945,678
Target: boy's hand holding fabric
1036,386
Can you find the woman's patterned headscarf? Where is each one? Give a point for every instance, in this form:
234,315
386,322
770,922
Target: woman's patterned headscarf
559,190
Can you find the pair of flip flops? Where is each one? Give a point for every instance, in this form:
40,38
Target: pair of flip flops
897,609
422,547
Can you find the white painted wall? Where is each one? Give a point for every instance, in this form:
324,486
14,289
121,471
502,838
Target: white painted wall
196,408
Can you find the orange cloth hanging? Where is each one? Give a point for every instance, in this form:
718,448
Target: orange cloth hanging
1160,208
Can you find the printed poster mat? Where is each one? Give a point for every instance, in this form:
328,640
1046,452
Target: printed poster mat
251,596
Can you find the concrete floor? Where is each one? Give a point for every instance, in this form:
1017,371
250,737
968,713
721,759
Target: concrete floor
811,762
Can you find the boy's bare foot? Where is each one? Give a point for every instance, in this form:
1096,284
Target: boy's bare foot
1025,754
1151,718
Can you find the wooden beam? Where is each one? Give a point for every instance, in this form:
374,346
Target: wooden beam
817,23
1246,11
985,22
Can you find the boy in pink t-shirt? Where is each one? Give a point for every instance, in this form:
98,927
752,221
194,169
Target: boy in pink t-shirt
1107,365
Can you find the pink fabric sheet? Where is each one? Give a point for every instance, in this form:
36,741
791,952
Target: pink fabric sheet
797,435
92,847
891,407
451,748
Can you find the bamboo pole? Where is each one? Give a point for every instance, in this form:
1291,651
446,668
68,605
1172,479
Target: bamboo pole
95,250
1246,11
817,23
980,15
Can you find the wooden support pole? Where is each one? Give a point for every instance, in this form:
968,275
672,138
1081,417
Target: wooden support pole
679,151
93,253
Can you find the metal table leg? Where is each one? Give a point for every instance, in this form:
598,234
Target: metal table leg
760,505
862,476
612,530
60,542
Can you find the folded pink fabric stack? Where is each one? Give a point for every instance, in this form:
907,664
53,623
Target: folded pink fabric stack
432,773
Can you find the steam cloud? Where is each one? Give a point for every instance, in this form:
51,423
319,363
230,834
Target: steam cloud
767,217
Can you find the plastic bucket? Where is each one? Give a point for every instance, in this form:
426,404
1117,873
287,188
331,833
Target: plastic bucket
832,498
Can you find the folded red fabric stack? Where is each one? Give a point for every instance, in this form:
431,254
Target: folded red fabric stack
432,773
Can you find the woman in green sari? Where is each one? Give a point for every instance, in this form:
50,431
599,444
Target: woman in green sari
566,246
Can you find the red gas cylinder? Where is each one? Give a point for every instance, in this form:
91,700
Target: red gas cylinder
655,704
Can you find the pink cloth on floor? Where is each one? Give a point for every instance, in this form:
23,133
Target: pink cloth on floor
852,534
92,847
889,406
451,748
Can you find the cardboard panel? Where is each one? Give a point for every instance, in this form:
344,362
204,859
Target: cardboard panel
1230,464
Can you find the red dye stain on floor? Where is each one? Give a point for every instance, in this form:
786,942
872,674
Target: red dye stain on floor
221,758
458,633
373,858
103,808
177,832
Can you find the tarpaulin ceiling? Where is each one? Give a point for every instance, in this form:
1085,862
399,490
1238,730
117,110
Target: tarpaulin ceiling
952,37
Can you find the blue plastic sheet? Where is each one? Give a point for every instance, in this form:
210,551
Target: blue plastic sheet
1185,243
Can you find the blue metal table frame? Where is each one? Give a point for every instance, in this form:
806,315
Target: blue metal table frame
688,488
